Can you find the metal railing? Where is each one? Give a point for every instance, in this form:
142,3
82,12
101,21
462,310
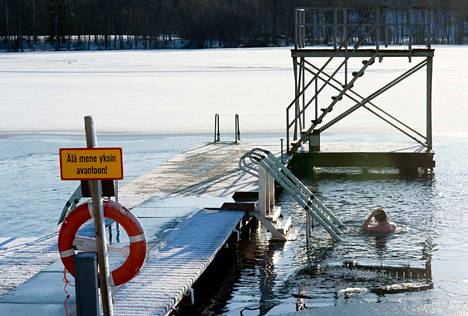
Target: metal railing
217,135
326,25
257,157
236,129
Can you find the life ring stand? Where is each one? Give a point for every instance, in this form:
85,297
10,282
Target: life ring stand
136,251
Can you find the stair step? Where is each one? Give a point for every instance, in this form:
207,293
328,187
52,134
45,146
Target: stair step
355,73
275,214
284,225
326,109
370,62
336,97
315,122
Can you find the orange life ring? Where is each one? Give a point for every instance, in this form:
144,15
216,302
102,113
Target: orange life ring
132,265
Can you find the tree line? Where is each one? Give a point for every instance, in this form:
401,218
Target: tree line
151,24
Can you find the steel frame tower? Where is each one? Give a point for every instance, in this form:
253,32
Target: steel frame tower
347,30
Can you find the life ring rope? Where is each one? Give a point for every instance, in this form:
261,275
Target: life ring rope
135,252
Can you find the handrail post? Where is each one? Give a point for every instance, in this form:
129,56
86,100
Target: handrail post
99,225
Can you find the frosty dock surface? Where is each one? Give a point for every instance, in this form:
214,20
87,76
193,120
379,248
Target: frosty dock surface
206,170
171,271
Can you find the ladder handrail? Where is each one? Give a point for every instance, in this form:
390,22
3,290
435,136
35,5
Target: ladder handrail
301,185
217,135
308,199
323,221
312,205
236,129
310,196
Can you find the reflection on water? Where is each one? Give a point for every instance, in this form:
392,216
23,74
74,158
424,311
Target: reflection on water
430,215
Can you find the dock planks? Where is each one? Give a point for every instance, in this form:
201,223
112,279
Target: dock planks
22,258
206,170
175,266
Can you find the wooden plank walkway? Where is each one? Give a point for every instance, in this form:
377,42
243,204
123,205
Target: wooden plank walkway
21,258
174,267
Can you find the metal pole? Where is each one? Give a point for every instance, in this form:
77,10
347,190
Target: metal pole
304,94
282,153
262,190
316,98
410,29
86,285
98,215
429,104
377,27
335,27
296,26
218,132
236,129
287,130
345,36
296,93
216,115
386,27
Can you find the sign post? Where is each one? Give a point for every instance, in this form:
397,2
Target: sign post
98,214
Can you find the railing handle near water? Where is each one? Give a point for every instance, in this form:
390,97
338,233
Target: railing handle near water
217,136
236,129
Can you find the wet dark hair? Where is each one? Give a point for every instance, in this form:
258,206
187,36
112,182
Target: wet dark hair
380,215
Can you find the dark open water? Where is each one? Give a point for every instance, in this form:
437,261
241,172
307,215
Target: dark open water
432,218
431,215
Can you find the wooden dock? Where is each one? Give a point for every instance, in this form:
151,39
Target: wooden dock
173,268
208,170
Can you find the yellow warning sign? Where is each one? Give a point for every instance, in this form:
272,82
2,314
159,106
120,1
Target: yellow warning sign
91,164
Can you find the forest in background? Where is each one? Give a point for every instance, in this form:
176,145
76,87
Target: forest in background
153,24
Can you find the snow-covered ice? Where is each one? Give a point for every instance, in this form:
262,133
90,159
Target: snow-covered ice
181,90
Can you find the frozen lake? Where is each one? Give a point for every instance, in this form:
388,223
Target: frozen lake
44,96
163,91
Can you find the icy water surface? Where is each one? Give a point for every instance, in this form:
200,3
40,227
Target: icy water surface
430,214
32,194
431,217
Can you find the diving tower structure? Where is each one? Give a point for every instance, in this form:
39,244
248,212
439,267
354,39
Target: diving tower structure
351,33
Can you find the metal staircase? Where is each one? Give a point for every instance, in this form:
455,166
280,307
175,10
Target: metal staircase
258,158
348,30
298,120
305,134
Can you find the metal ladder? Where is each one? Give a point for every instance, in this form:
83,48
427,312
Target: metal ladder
258,157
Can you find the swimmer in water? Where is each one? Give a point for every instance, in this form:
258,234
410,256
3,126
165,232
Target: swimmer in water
382,224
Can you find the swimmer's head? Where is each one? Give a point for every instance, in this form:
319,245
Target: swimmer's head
380,215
